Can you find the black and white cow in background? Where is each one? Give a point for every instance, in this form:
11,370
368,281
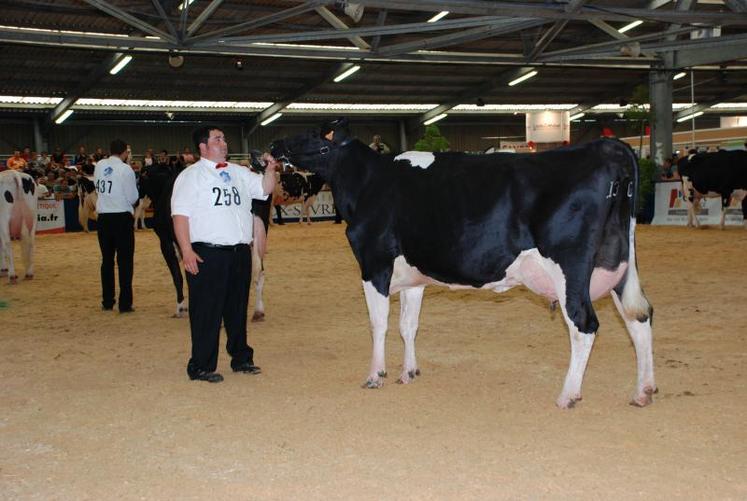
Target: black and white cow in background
559,222
296,188
87,197
157,185
18,209
720,174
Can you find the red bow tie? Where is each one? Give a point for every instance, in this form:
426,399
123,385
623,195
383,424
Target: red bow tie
221,165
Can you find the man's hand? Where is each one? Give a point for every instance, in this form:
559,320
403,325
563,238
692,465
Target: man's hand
190,259
271,162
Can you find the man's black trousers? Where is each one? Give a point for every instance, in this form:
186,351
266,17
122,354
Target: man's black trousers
219,292
116,237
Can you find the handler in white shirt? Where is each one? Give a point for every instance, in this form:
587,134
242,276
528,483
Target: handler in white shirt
117,193
211,208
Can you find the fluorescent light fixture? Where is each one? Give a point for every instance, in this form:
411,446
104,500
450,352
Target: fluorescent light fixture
630,26
576,116
342,76
121,64
525,76
271,119
435,119
439,16
63,117
185,3
688,117
679,75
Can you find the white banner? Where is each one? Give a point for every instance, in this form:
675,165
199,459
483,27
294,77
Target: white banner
323,208
671,208
548,126
50,216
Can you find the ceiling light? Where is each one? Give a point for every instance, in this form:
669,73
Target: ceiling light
271,119
523,77
435,119
630,26
121,64
342,76
176,60
439,16
63,117
679,75
354,11
576,116
688,117
185,3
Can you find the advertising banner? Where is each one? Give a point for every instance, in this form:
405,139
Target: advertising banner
322,208
671,208
50,216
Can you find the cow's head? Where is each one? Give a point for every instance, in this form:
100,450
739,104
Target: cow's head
314,150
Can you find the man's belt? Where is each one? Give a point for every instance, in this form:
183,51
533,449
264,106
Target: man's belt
231,248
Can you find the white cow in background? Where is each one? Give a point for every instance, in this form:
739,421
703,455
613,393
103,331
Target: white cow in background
18,207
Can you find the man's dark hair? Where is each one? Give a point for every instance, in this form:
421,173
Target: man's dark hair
202,135
117,147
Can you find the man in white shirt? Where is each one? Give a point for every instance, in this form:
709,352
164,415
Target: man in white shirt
210,206
117,193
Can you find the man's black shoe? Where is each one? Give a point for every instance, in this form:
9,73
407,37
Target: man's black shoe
210,377
246,367
127,310
107,308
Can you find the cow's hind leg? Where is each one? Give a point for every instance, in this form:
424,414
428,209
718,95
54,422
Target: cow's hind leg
27,247
168,251
410,301
378,313
258,274
640,333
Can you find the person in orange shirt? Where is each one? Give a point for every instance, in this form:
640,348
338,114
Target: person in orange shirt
16,162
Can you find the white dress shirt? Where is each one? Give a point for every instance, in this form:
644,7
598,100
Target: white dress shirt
115,185
218,202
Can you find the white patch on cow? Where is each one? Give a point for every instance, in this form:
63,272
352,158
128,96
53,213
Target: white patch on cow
378,313
633,301
422,159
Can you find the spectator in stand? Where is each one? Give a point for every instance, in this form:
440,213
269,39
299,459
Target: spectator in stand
26,154
378,145
49,181
16,162
163,159
98,155
35,166
187,157
148,160
81,157
44,160
58,159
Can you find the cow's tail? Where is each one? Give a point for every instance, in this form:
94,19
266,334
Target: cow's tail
634,301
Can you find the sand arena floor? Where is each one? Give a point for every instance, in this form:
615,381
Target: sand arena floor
94,405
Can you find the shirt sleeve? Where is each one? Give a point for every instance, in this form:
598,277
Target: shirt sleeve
254,186
182,196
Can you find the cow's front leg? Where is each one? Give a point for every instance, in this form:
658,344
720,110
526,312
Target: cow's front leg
378,313
410,301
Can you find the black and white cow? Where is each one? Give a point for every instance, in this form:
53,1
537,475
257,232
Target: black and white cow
87,197
559,222
297,188
18,209
721,174
157,185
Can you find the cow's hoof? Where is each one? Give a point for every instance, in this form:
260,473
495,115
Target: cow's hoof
4,272
13,280
645,398
408,376
568,403
373,384
259,316
28,277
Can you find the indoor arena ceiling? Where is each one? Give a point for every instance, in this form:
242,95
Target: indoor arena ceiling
275,52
